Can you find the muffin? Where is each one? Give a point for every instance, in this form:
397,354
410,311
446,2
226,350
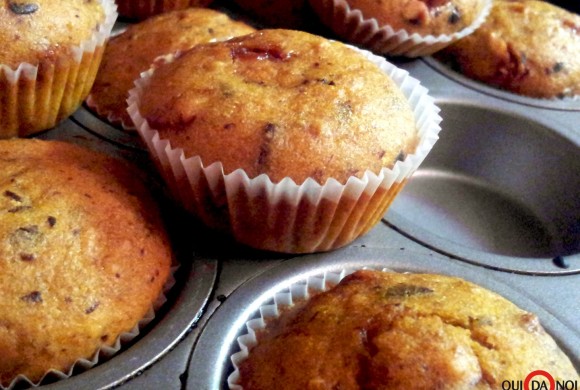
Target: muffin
410,28
139,9
291,14
292,142
84,255
133,51
382,330
530,48
54,52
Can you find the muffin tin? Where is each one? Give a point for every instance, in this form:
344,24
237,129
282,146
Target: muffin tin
211,364
497,202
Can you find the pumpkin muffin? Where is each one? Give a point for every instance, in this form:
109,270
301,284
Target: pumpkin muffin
293,118
83,255
439,17
402,27
283,103
132,52
382,330
530,48
143,9
55,49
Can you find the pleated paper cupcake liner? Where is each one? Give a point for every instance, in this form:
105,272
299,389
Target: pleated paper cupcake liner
351,25
286,216
286,298
105,352
37,97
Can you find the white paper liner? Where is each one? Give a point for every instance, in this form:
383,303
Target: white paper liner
264,214
351,25
299,290
110,117
74,80
105,352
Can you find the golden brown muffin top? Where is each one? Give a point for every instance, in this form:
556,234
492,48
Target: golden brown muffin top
378,330
133,51
83,254
425,17
528,47
284,103
36,30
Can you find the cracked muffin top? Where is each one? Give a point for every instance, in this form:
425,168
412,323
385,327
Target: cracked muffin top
530,47
37,30
280,102
132,52
83,254
424,17
382,330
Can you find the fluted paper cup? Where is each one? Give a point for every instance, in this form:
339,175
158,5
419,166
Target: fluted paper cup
103,353
287,216
356,28
36,97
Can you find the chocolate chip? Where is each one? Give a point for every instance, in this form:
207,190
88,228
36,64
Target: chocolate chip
558,67
18,209
406,290
92,308
27,257
325,81
51,221
22,8
269,129
31,229
229,126
33,297
414,21
401,156
12,195
455,16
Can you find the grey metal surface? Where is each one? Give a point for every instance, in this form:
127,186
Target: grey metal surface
501,187
210,362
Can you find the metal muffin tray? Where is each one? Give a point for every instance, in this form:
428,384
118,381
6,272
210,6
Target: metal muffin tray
497,202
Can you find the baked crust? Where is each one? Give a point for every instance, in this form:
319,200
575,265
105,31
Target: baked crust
424,17
530,47
83,254
383,330
132,52
41,30
284,103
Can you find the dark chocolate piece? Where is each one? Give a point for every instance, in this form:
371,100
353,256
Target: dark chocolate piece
20,8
